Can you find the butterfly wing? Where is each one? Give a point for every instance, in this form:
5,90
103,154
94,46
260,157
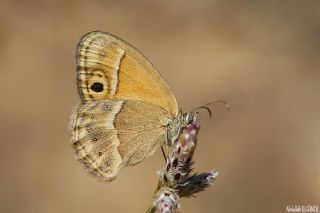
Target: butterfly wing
111,69
108,135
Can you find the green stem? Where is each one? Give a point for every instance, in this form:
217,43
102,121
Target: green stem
152,208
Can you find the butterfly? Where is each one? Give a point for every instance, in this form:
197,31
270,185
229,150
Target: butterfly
127,111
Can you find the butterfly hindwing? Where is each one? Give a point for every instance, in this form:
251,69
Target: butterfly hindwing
109,135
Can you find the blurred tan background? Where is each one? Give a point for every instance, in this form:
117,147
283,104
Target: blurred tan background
260,56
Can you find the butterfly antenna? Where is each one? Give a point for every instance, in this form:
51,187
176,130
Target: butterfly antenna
218,101
210,103
207,108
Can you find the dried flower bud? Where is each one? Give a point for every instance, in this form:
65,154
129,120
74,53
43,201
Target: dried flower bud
175,179
197,183
179,162
167,201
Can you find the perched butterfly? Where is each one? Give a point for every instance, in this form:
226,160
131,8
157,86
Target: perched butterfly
127,111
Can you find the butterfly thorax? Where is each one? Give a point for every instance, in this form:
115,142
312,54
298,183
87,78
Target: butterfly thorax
177,125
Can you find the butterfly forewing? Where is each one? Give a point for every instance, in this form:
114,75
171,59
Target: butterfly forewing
110,69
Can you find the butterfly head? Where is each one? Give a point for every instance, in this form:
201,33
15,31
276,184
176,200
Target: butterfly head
189,118
179,123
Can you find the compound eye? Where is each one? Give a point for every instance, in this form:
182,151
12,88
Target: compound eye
189,118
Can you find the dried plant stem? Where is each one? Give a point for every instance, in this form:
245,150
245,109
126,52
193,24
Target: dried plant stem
152,208
175,180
